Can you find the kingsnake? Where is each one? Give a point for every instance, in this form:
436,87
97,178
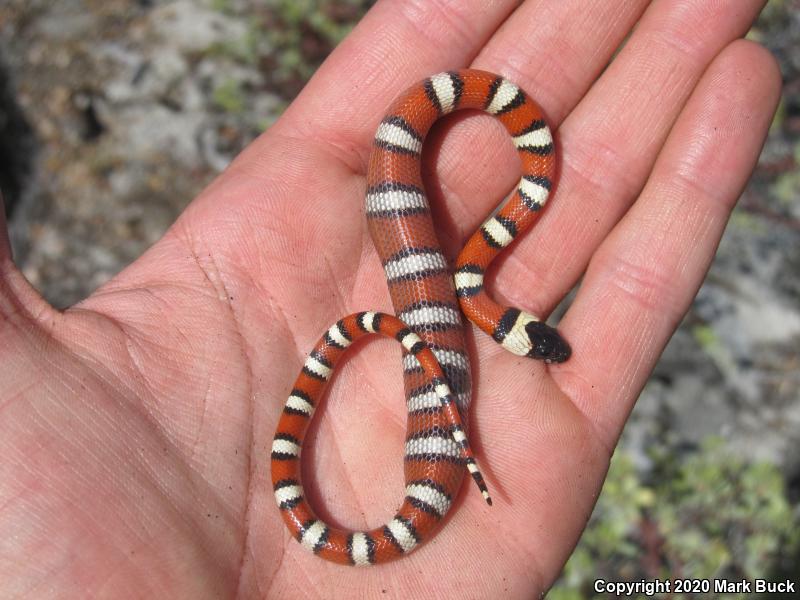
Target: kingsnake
426,298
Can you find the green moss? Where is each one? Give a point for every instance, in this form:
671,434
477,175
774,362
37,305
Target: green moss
243,50
779,118
711,515
229,96
745,220
221,6
705,336
786,187
302,32
774,10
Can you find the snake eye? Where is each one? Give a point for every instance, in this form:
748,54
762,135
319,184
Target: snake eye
546,343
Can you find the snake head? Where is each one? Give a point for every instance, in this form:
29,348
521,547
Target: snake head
546,343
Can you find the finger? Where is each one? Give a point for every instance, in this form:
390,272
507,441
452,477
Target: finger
396,44
609,144
643,277
556,50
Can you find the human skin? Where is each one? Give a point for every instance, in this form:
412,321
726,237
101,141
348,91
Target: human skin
135,427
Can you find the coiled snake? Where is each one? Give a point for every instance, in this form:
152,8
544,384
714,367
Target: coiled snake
426,298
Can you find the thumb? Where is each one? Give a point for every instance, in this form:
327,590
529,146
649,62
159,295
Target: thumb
17,296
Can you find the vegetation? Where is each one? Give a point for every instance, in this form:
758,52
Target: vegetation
303,32
708,515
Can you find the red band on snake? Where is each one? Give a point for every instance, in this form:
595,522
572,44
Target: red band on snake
426,297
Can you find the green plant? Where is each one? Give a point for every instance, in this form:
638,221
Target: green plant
301,33
710,515
229,96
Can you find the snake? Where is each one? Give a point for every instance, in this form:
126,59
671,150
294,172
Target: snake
430,300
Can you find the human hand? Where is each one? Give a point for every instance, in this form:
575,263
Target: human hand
135,427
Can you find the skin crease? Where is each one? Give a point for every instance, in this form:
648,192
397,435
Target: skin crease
135,427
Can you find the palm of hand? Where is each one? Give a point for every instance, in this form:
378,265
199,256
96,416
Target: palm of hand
135,427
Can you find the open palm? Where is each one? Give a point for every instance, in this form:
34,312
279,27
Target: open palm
135,427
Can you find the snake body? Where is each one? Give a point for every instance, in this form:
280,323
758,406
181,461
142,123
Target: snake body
426,297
